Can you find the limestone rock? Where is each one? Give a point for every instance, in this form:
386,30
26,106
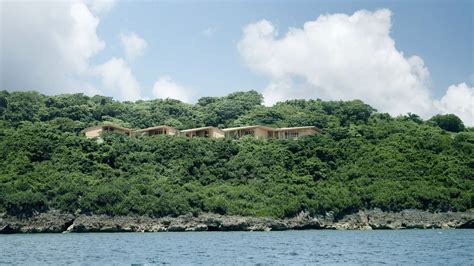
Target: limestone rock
55,221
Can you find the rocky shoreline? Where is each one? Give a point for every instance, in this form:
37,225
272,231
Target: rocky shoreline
57,222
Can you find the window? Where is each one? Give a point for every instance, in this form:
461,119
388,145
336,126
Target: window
249,133
291,134
155,132
294,134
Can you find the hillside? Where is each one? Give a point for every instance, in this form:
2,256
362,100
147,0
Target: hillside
361,160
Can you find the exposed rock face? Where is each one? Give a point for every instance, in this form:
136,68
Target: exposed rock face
55,221
205,222
51,222
407,219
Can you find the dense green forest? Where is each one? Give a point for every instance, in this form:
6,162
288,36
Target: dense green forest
362,159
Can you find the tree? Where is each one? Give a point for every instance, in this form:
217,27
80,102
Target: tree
360,160
222,111
448,122
25,203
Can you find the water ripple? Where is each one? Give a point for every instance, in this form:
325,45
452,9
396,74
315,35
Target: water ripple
290,247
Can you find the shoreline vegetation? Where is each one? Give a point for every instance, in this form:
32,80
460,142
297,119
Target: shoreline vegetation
57,222
360,160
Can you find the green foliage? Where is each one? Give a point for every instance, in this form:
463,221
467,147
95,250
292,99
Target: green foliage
220,111
362,159
24,203
448,122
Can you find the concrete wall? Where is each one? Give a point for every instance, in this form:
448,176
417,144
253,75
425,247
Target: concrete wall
260,133
217,134
301,132
93,133
172,132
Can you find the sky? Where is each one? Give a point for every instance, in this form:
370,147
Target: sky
398,56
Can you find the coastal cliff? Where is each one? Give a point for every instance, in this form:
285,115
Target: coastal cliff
57,222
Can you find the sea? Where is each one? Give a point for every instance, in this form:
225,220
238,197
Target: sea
306,247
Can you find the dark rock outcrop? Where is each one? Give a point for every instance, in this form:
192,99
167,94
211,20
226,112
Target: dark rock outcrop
50,222
55,222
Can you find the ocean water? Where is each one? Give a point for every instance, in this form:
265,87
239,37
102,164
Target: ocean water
289,247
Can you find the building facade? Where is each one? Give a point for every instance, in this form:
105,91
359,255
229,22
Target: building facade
263,132
294,132
158,130
256,131
204,132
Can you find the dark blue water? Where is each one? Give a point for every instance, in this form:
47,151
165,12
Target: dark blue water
290,247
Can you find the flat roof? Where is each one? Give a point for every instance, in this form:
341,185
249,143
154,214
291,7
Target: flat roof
247,127
200,128
294,128
152,128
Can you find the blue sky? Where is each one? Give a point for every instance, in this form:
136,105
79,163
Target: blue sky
440,32
402,56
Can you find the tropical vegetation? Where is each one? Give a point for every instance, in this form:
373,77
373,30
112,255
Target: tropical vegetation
362,159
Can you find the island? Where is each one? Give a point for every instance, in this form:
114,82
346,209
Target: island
75,163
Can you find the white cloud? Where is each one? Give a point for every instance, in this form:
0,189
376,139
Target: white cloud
459,100
165,87
82,40
339,57
101,6
118,80
133,45
47,46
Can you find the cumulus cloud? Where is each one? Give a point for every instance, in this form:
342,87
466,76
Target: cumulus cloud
118,79
459,100
133,45
165,87
336,57
47,45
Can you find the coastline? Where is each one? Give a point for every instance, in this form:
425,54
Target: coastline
57,222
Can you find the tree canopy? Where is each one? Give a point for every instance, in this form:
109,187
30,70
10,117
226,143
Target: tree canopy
362,158
448,122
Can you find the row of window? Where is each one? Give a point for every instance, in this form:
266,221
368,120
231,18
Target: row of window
205,133
286,135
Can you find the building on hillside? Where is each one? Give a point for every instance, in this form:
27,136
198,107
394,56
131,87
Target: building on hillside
204,132
93,132
294,132
257,131
158,130
263,132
